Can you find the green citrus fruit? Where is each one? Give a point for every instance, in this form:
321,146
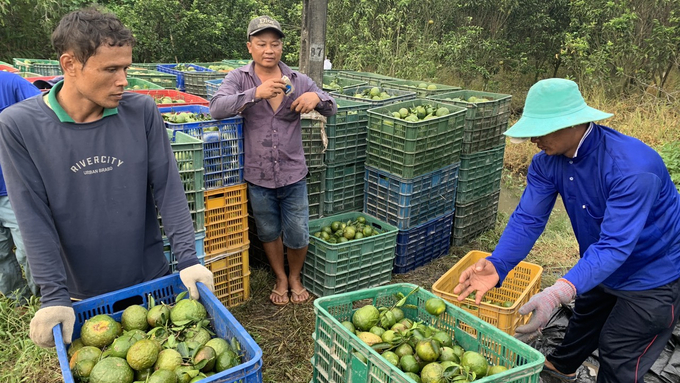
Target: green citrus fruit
208,354
349,325
99,331
435,306
366,317
121,345
112,370
432,373
427,350
134,318
496,370
85,353
408,363
143,354
404,349
413,376
158,315
185,373
168,359
200,337
75,346
187,309
163,376
476,362
391,357
219,345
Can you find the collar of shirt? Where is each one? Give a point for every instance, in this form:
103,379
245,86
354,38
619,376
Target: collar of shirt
52,103
590,129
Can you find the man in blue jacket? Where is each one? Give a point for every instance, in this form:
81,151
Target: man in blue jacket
625,212
13,88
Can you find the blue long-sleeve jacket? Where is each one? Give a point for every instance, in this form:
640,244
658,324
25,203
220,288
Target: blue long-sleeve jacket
623,206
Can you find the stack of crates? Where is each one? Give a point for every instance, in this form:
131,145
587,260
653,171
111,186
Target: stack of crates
224,198
188,153
313,127
344,158
411,178
227,244
481,166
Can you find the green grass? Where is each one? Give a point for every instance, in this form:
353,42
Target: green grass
20,359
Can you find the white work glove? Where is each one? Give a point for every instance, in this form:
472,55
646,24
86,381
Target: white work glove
44,321
196,273
542,305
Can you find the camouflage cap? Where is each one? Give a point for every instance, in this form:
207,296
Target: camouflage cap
261,23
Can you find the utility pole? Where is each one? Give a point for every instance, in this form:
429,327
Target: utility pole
313,39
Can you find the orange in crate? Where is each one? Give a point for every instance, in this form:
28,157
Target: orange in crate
226,220
521,284
231,274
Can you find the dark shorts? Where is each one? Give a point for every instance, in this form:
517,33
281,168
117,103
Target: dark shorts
281,211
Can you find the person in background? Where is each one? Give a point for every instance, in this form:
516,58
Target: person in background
86,166
275,166
625,212
13,89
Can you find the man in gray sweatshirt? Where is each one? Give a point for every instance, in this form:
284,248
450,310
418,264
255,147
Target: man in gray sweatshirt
86,165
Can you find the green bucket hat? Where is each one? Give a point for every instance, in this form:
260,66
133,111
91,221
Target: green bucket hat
552,104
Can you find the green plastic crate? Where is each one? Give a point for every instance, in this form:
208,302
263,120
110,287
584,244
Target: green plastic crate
196,208
344,191
188,153
164,80
195,81
335,348
485,122
372,79
28,74
499,103
148,66
315,191
332,268
138,83
414,86
311,140
346,131
337,83
409,149
40,66
480,174
396,95
474,218
237,63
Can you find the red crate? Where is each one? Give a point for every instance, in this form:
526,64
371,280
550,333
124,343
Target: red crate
189,99
7,68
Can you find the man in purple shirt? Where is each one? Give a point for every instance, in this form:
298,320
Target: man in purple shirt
275,166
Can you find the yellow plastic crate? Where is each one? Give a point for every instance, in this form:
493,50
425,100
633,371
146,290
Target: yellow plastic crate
226,220
231,274
521,284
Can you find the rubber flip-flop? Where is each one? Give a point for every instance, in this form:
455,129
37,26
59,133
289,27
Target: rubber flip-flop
298,293
283,303
559,375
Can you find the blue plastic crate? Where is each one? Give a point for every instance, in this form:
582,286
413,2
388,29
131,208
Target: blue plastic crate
222,149
422,244
406,203
165,290
170,256
170,68
211,87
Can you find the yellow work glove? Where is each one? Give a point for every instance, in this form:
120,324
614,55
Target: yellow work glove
44,321
196,273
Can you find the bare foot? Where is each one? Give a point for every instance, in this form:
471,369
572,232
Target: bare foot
279,295
299,293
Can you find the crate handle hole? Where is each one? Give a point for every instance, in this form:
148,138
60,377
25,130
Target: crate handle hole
127,302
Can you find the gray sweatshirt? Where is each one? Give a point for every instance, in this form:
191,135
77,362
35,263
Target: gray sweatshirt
85,197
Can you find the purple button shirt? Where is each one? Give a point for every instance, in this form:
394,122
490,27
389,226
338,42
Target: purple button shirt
273,151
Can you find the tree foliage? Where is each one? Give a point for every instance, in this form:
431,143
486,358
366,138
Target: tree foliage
619,46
